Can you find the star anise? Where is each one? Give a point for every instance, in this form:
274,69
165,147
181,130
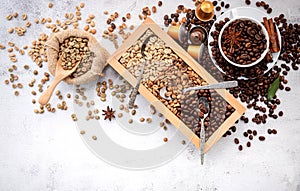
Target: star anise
233,38
108,113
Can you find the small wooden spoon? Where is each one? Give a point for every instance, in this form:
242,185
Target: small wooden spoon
60,74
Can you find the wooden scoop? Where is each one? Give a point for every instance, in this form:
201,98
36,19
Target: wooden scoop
60,74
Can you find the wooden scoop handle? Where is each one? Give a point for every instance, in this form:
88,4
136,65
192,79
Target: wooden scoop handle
45,97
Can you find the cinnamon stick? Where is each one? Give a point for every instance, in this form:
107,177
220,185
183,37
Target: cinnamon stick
266,23
273,37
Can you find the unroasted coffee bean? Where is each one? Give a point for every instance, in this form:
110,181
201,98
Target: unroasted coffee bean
261,138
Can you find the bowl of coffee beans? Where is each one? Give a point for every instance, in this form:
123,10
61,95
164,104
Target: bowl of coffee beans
243,41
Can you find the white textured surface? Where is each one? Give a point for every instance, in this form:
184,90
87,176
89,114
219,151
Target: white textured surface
45,152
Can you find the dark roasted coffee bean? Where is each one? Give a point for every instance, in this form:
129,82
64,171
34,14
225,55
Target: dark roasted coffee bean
261,138
250,137
266,6
254,132
258,4
215,3
269,10
248,2
248,144
240,147
269,131
222,3
236,141
218,8
280,113
274,131
227,6
245,134
287,89
166,17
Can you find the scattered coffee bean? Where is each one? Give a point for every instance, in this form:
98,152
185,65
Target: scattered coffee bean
261,138
236,141
248,144
251,137
240,147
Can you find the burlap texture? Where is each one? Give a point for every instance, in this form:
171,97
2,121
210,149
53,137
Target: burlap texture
99,61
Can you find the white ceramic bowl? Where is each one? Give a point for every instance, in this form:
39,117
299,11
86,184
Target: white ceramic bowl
262,28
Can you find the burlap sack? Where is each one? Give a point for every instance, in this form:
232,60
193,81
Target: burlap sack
99,61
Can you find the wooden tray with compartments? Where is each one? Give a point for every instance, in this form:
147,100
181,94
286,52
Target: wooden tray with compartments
114,61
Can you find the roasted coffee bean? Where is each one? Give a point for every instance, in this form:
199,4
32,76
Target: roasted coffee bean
248,144
227,6
240,147
269,131
245,134
269,10
266,6
248,2
280,114
274,131
233,129
254,132
251,137
218,8
215,3
258,4
222,3
232,42
261,138
236,141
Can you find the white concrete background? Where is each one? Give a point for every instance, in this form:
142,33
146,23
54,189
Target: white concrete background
45,152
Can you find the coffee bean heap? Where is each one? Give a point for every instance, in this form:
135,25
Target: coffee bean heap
229,69
192,112
185,106
243,41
